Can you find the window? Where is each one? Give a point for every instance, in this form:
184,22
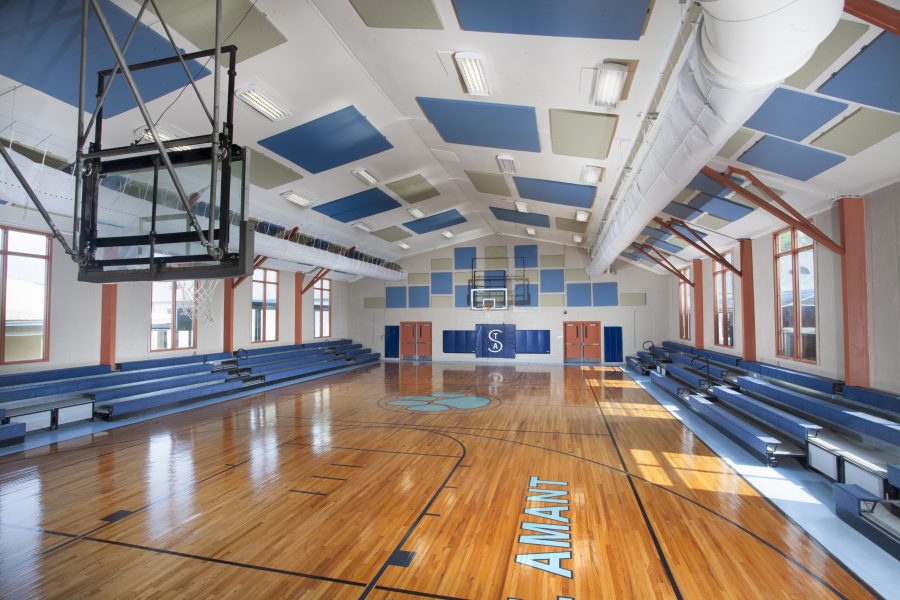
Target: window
171,327
684,306
795,289
264,306
723,303
322,308
24,296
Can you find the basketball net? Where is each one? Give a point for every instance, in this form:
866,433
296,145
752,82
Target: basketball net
201,294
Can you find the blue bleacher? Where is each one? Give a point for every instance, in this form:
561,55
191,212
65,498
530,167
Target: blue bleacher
364,358
142,402
849,496
40,376
298,355
635,363
720,357
678,347
137,365
750,436
164,383
667,384
646,357
11,433
873,398
793,426
306,369
893,475
282,365
853,420
693,379
799,378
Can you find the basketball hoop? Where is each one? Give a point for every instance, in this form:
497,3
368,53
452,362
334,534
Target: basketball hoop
197,294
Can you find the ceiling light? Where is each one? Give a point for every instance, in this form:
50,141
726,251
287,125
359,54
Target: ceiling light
164,136
582,216
366,176
521,206
363,227
415,212
530,231
259,101
577,238
447,234
610,82
404,245
292,196
507,164
471,69
591,175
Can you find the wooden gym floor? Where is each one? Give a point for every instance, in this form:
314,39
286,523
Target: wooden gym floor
326,490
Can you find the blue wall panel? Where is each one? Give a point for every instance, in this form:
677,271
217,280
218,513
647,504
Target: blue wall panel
606,294
461,296
395,296
487,124
532,341
457,341
526,294
612,344
578,294
552,280
442,283
419,296
526,256
392,341
463,258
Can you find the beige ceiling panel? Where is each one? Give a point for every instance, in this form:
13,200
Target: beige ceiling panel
268,173
489,183
584,134
736,142
564,224
711,222
685,195
398,14
392,234
844,35
862,129
413,189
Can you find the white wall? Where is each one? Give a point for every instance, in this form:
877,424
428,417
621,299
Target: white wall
883,234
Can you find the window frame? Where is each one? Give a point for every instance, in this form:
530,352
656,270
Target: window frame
320,287
4,255
794,252
684,306
173,329
265,281
720,277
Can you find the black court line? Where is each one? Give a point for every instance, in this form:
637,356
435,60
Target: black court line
349,466
432,514
308,492
384,425
332,478
419,594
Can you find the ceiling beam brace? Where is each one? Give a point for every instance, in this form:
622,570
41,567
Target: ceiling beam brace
700,244
876,13
320,275
257,263
664,263
803,224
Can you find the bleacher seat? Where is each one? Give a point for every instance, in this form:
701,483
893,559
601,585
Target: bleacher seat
696,381
142,402
646,357
667,384
747,434
719,357
137,365
678,347
142,387
17,379
297,355
11,433
874,398
818,383
893,475
797,428
852,498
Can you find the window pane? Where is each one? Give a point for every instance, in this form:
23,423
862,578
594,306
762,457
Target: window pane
803,240
271,276
256,312
26,281
259,274
271,325
729,308
30,243
807,292
317,323
184,325
161,315
786,303
783,243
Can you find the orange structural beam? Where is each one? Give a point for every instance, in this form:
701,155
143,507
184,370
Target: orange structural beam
298,307
854,280
876,13
700,244
108,307
257,263
697,272
228,316
748,305
662,261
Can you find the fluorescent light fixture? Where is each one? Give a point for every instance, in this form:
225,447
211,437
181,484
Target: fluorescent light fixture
471,69
363,227
292,196
582,216
415,212
577,238
591,175
521,206
530,231
447,234
507,164
262,103
366,176
164,136
610,82
404,245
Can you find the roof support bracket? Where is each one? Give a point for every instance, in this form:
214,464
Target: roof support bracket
662,261
697,242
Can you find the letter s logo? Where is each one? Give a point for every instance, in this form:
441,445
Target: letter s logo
496,345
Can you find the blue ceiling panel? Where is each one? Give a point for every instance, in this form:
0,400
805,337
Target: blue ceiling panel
664,245
688,233
681,211
656,233
40,46
513,216
358,206
793,115
720,207
439,221
703,183
556,192
867,78
328,142
483,123
599,19
789,158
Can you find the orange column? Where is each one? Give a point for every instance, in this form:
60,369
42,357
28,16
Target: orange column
228,317
748,308
108,302
298,308
697,272
854,285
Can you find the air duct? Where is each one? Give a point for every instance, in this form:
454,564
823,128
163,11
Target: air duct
743,50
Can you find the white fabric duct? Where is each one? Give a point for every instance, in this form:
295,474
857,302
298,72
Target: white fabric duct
286,250
746,48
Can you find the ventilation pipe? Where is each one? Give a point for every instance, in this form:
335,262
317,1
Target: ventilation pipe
744,49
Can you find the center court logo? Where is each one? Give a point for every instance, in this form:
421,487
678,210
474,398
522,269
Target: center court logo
440,402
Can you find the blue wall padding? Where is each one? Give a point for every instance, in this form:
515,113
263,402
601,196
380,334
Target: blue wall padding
495,341
606,294
526,294
463,258
358,206
578,294
487,124
448,218
514,216
682,211
526,256
395,296
419,296
664,245
40,46
556,192
720,207
392,341
793,115
612,344
656,233
328,142
867,77
789,158
442,283
459,341
552,281
495,279
532,341
461,296
598,19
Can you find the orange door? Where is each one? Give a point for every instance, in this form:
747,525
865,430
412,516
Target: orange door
590,337
408,337
572,341
424,340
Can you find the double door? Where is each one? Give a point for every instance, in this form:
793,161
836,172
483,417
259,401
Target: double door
415,340
582,342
